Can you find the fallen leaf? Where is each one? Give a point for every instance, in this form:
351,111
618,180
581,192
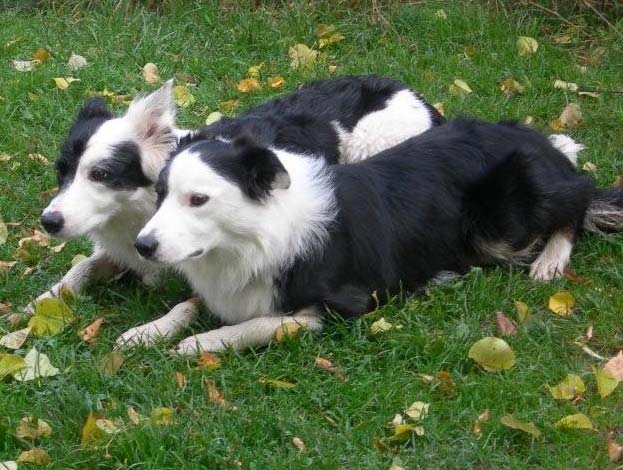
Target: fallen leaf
575,421
403,433
213,117
41,55
37,237
444,383
52,315
24,65
76,62
58,248
107,426
276,383
162,416
30,427
14,319
36,456
248,85
380,326
511,422
526,45
150,73
5,157
208,360
528,121
298,443
215,396
568,86
276,82
10,363
111,362
380,446
91,432
37,365
477,427
90,332
511,87
111,96
5,307
183,96
589,351
37,157
573,277
615,451
330,39
589,167
606,382
591,94
326,364
561,303
505,325
134,416
441,14
287,330
615,366
398,419
570,388
62,83
4,233
593,57
323,30
16,339
302,56
440,109
417,410
8,465
228,105
180,379
254,70
460,88
7,265
332,68
492,354
571,116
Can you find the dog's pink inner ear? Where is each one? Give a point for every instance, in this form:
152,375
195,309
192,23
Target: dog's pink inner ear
151,130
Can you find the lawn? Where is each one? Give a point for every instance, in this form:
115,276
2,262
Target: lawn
210,48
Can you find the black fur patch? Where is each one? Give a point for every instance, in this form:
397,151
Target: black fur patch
124,168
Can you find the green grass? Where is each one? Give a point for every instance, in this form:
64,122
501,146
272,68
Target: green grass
336,420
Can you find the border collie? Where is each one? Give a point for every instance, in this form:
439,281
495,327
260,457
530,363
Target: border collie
268,237
108,165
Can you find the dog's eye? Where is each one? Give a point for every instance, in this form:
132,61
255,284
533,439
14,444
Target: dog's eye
197,200
98,175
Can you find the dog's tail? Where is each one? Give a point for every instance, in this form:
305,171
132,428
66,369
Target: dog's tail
605,213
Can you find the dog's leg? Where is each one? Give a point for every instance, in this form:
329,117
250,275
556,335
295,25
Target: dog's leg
251,333
97,266
554,258
180,317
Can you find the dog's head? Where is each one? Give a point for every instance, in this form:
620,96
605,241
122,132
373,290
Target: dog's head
212,195
108,162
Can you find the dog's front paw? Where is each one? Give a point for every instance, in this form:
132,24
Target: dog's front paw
145,335
211,341
546,269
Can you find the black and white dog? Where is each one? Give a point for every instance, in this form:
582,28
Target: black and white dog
266,236
108,165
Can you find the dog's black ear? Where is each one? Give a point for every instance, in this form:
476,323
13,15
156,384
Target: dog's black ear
263,172
94,107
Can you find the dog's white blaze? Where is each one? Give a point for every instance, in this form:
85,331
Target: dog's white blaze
568,146
554,258
247,244
404,116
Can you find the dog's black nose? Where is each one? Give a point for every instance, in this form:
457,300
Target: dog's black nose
146,245
52,221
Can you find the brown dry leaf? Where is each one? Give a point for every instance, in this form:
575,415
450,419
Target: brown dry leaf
183,97
41,55
477,427
215,396
567,86
505,325
36,456
276,82
573,277
526,45
229,105
134,416
16,339
58,248
298,443
5,307
37,237
7,265
37,157
287,331
417,411
180,379
76,62
248,85
593,57
380,446
162,416
511,422
90,333
571,116
31,427
150,73
208,360
460,88
561,303
302,56
62,83
326,364
111,362
511,87
615,451
615,366
45,195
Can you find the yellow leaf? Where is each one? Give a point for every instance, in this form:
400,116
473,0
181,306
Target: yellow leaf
254,70
590,167
331,39
561,303
298,443
228,105
511,422
576,421
606,382
10,363
287,330
568,86
107,426
52,315
183,96
571,116
380,326
332,68
477,427
277,383
511,87
38,238
440,109
208,360
150,73
523,311
162,416
213,117
403,432
302,56
324,30
36,456
526,45
37,365
63,83
570,388
16,339
91,432
492,354
76,62
30,427
441,14
615,366
417,410
248,85
460,88
111,362
41,55
276,82
89,333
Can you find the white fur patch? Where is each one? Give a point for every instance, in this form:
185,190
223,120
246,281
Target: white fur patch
554,258
405,116
568,146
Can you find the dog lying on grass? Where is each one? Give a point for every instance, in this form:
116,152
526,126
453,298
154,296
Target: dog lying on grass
108,166
268,237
